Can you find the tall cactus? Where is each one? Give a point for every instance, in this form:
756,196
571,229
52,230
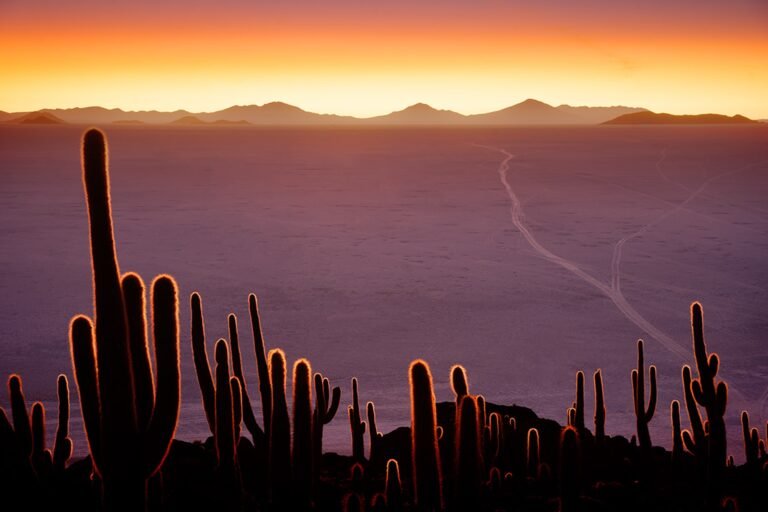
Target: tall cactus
302,433
257,434
469,464
695,440
62,446
578,421
642,413
751,443
262,365
356,425
125,451
710,394
425,455
374,435
280,432
599,407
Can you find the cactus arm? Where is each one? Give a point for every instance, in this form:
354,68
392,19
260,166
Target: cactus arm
84,361
237,405
237,369
334,405
62,446
165,417
133,294
265,384
652,398
202,367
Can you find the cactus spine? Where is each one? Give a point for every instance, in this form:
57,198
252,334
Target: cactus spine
642,413
425,455
124,451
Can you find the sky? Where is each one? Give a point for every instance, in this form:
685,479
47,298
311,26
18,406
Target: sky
368,58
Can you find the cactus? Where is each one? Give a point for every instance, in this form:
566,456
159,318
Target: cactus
677,439
570,469
265,383
751,443
459,383
374,434
533,454
280,432
224,426
356,426
425,455
494,440
257,434
326,405
599,407
642,413
62,446
710,394
695,440
125,451
42,461
302,433
200,357
393,488
22,427
579,407
469,463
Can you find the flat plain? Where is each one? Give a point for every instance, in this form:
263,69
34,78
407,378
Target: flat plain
525,254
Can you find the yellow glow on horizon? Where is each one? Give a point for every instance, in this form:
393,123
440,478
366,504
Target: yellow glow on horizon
365,72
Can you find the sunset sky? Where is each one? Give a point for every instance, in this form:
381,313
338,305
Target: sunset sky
368,58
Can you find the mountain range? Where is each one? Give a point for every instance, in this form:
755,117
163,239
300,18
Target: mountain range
528,112
278,113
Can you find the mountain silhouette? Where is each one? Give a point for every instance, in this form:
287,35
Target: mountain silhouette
529,111
38,118
654,118
420,113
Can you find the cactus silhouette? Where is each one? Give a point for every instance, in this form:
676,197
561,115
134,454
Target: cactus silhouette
265,382
751,443
599,407
570,469
533,458
393,488
127,443
677,438
578,420
469,464
62,446
326,405
642,413
710,394
257,434
302,433
375,435
356,426
695,440
280,432
224,426
427,480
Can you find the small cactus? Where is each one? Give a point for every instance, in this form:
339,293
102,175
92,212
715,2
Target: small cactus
374,434
393,487
642,413
578,419
533,458
677,438
326,405
751,442
257,434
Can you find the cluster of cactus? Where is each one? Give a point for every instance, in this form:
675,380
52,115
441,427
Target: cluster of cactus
468,454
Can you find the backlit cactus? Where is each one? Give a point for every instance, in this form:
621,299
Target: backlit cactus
128,443
427,479
643,414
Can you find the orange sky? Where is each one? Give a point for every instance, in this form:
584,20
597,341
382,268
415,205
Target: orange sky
359,59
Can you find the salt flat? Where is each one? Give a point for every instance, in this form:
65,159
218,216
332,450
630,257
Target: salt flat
371,247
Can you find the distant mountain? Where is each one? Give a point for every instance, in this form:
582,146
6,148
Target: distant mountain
418,114
101,115
196,121
527,112
597,115
654,118
275,113
37,118
188,120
